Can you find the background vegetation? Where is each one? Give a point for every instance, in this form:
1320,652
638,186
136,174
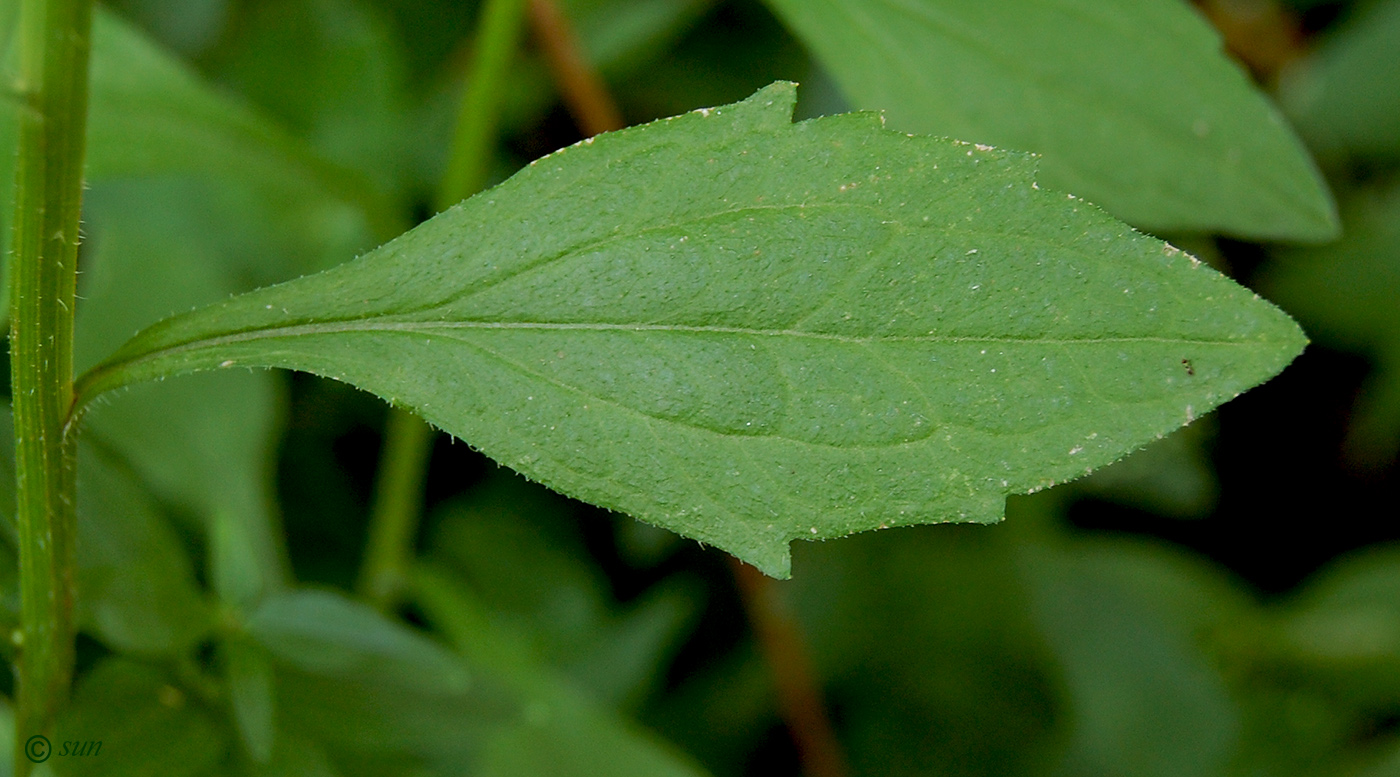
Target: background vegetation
1222,603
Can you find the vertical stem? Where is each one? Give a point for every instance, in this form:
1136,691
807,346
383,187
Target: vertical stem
408,439
397,501
48,185
582,89
475,136
799,697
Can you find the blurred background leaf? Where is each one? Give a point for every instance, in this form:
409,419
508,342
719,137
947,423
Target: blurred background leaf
377,695
1172,477
559,730
160,729
1143,698
333,73
516,546
231,154
928,651
1132,104
152,116
1345,97
136,586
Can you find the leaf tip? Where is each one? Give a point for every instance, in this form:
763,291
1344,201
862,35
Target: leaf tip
773,559
1325,225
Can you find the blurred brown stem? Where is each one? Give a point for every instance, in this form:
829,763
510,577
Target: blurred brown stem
799,696
1263,34
578,82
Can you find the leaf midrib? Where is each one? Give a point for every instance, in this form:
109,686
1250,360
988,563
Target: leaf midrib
428,328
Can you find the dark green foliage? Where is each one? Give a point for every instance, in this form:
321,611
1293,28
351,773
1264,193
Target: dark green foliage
236,144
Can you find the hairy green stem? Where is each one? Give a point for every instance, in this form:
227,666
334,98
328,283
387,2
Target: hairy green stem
408,439
48,191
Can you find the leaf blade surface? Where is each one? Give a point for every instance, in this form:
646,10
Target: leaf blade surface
751,331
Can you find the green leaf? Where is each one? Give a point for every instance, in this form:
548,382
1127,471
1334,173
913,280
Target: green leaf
370,688
1132,103
751,331
1125,621
325,633
509,539
1345,97
723,712
1342,633
296,757
334,73
146,723
136,588
248,669
374,726
1171,477
567,738
150,115
1320,669
924,643
7,736
9,27
386,710
560,731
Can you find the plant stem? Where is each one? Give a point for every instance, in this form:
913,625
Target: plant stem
799,696
48,191
475,135
397,501
579,84
408,439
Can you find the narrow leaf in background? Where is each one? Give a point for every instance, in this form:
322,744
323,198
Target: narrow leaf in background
151,115
752,331
1345,98
372,690
161,729
560,730
333,73
252,696
1143,700
136,589
1132,103
325,633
